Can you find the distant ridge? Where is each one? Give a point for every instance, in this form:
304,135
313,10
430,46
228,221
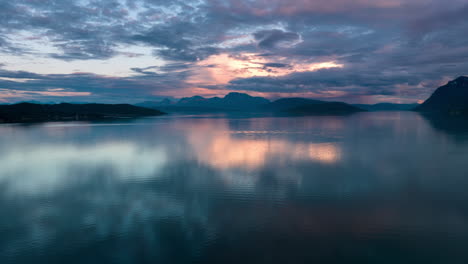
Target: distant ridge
232,101
327,108
304,106
241,102
284,104
451,98
29,112
387,107
156,104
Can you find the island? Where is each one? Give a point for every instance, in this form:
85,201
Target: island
31,112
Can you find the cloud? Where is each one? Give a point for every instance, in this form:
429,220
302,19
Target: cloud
273,38
174,54
18,86
276,65
145,70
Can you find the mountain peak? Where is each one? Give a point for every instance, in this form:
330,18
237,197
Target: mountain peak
243,100
462,78
236,95
165,101
460,81
195,97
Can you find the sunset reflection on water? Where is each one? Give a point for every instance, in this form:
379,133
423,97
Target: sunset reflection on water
223,147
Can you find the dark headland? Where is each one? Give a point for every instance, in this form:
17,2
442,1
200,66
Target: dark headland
30,112
450,99
447,108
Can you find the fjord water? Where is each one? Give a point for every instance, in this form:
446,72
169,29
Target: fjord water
365,188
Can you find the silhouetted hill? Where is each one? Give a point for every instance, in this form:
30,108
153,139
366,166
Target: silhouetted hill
28,112
156,104
387,107
304,106
325,108
243,101
195,100
451,98
284,104
232,101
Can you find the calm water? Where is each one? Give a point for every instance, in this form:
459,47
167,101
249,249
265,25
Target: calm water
367,188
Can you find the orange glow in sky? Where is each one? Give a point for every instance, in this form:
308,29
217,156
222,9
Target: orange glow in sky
222,68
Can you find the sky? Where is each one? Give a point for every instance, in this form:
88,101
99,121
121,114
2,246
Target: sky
115,51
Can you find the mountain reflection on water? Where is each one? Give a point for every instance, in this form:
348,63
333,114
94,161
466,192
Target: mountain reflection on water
366,188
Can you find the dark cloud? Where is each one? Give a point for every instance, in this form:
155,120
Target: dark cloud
100,88
276,65
145,70
163,71
186,54
85,49
272,38
169,36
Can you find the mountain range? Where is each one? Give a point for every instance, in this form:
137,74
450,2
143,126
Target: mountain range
231,102
241,102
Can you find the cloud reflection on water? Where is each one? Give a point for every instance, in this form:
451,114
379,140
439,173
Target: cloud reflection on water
41,168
